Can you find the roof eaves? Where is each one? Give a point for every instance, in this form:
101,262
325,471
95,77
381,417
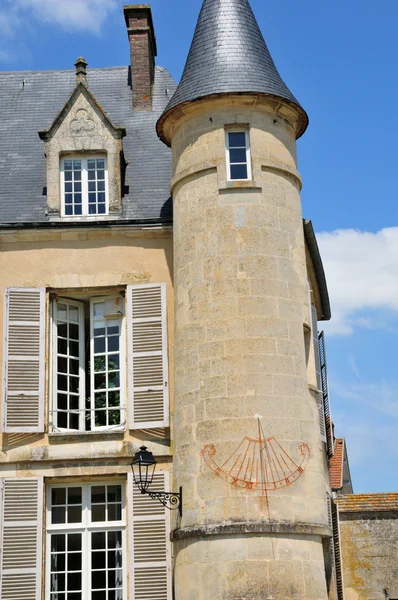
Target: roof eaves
319,270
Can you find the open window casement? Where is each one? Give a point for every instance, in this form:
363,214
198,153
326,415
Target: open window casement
147,356
21,512
149,542
24,361
315,337
325,391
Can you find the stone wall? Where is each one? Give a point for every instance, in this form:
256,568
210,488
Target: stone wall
369,544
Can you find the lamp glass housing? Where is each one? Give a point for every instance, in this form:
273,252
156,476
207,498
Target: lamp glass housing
143,467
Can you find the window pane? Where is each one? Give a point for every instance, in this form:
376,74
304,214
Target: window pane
74,514
101,209
98,495
238,171
114,539
74,542
99,309
100,163
74,495
74,561
100,381
62,364
99,363
58,543
113,380
100,400
100,418
114,399
99,596
98,560
58,515
98,540
237,139
74,581
58,496
237,156
57,562
98,580
113,344
114,512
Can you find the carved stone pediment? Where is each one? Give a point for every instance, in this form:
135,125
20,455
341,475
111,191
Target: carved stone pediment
83,128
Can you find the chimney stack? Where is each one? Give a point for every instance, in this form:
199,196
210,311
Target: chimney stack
81,71
142,53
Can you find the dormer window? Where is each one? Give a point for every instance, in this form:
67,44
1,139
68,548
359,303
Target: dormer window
238,155
84,186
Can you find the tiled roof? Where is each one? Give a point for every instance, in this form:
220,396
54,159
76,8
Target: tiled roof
229,55
336,465
367,502
29,102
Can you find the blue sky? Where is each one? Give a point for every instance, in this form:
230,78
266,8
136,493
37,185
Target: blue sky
339,59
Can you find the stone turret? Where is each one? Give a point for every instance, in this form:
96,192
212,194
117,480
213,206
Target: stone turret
247,446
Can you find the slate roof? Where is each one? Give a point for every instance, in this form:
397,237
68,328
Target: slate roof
337,465
367,502
229,55
29,102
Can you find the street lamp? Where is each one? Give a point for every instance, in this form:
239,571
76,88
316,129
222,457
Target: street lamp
143,466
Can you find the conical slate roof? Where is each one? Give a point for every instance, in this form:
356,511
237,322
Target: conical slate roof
229,55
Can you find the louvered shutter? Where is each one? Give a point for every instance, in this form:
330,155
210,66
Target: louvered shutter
24,361
337,551
21,538
325,391
322,422
147,348
149,539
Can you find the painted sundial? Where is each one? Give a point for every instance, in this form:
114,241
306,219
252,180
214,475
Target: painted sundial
259,463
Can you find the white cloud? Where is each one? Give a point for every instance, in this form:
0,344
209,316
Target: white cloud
87,15
71,15
362,273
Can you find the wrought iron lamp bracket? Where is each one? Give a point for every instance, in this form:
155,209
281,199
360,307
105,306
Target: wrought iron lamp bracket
171,500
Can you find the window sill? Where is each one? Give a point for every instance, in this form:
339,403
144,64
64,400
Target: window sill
239,185
85,435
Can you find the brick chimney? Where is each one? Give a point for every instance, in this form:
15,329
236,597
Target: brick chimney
142,53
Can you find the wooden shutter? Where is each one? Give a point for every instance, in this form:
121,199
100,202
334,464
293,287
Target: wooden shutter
322,422
149,542
147,349
337,551
21,538
325,392
24,361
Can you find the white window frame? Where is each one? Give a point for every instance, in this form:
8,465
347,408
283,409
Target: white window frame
85,214
82,371
86,527
54,363
248,154
123,366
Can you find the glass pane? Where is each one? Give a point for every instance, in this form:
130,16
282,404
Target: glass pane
114,512
58,515
74,384
74,367
100,163
99,309
74,331
68,176
114,493
101,209
74,495
74,514
100,381
77,165
91,163
62,382
100,400
98,596
75,596
58,582
98,513
237,156
91,175
74,348
62,401
100,418
62,345
57,562
78,175
114,399
58,543
98,540
74,581
68,210
98,494
78,209
113,380
73,314
99,363
101,186
238,171
100,174
74,402
74,542
77,187
98,580
73,421
114,417
114,539
113,362
67,165
62,365
74,561
98,560
68,188
113,344
62,420
237,139
91,186
58,496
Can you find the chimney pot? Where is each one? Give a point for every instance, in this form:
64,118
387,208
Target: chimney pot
142,53
81,71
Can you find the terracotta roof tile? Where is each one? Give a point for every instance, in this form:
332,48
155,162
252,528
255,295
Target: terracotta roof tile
336,465
367,502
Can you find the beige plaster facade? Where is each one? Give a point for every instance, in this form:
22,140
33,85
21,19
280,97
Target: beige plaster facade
94,261
241,305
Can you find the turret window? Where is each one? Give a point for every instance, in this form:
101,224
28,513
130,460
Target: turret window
84,186
238,155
